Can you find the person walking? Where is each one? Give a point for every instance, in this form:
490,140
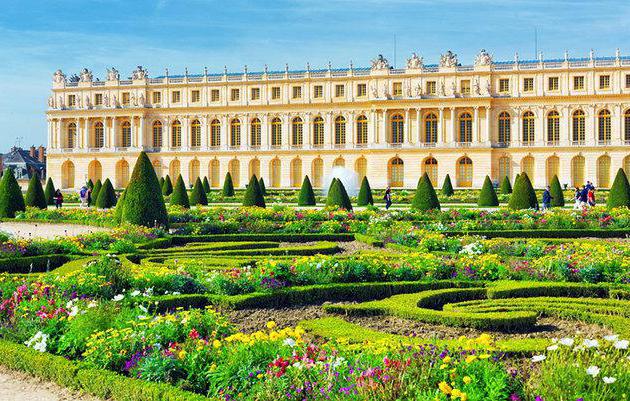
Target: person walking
590,197
583,197
83,195
576,198
58,199
546,198
388,198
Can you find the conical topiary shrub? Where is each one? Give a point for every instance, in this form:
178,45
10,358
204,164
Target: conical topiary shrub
144,202
261,184
198,194
516,178
161,182
447,186
95,191
228,185
506,187
425,197
106,196
523,196
11,199
337,196
307,196
619,195
49,192
35,193
557,195
487,196
167,186
206,185
253,195
119,207
179,197
90,184
365,193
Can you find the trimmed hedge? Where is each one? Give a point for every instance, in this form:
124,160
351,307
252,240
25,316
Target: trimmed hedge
180,196
49,192
447,186
11,200
253,194
337,195
35,196
366,239
32,264
206,185
198,194
106,196
523,196
185,239
487,196
425,197
95,191
306,196
522,289
228,185
506,187
167,186
544,233
261,184
365,193
557,194
619,195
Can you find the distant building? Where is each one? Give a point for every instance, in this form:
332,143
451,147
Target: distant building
25,162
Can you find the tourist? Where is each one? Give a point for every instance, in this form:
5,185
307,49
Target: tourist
58,199
546,198
83,195
576,198
583,197
590,196
388,198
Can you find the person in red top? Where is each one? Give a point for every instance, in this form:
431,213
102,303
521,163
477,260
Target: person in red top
591,197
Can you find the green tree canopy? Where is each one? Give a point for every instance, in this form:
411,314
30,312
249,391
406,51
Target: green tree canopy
487,196
35,196
167,186
307,196
425,197
619,195
557,195
365,193
198,194
49,192
106,196
11,199
179,197
228,185
506,186
253,194
447,186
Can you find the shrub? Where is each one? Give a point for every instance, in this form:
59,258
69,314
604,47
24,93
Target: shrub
487,196
253,195
161,182
167,186
180,196
228,185
506,187
337,195
11,199
447,186
97,188
619,195
523,196
206,185
106,196
119,207
365,193
425,197
49,192
557,195
261,184
198,194
90,184
144,202
307,196
35,194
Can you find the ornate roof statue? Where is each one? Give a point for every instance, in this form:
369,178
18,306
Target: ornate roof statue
74,78
140,73
113,75
449,59
414,62
483,58
86,75
380,63
59,77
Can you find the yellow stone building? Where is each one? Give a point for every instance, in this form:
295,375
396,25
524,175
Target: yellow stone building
567,117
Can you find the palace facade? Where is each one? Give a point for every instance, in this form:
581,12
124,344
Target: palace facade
567,117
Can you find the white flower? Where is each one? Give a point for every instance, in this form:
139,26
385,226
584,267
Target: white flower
552,347
593,370
91,305
118,297
38,342
135,293
290,342
566,341
538,358
143,309
74,311
609,380
613,337
591,343
621,344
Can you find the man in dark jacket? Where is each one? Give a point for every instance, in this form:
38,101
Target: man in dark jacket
546,198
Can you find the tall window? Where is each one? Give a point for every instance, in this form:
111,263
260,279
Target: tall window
339,162
215,173
296,172
527,167
604,129
340,130
360,167
579,127
528,127
215,133
430,128
255,133
398,126
126,134
157,134
318,172
193,171
95,170
396,172
465,128
464,172
577,171
122,174
318,131
553,168
297,131
195,134
626,125
362,130
176,135
603,171
504,168
276,132
505,134
234,167
174,169
553,127
99,135
235,132
430,166
254,168
276,173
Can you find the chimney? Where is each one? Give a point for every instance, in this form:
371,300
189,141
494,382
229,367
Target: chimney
31,151
40,154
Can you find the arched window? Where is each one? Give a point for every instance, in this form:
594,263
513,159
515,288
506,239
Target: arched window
126,134
318,172
215,133
254,168
430,167
234,167
626,165
157,134
296,172
318,131
255,133
195,134
193,171
99,135
527,167
95,171
174,170
297,132
603,171
465,128
464,172
235,133
176,135
528,128
398,126
430,128
577,171
579,127
276,173
553,127
67,174
362,130
214,173
505,130
553,168
276,133
157,167
70,137
604,126
396,170
339,162
340,130
626,127
505,170
122,174
360,167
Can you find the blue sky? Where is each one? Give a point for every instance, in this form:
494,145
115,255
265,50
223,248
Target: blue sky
39,36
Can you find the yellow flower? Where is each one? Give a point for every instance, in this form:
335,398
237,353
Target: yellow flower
182,354
467,380
271,324
216,343
471,358
446,359
445,388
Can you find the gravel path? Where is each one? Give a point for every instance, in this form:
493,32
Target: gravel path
46,230
16,386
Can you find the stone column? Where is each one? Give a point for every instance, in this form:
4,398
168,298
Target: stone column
440,127
141,134
372,128
418,137
351,138
245,136
264,133
205,126
328,129
453,134
114,134
475,126
407,127
382,134
225,132
308,131
487,135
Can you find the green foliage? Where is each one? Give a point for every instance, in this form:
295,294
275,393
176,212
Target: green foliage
506,186
261,184
97,188
106,196
119,206
523,196
365,193
557,194
228,185
337,196
161,182
487,196
198,194
425,197
307,196
447,186
253,194
49,192
206,185
619,195
90,184
179,197
35,196
144,202
11,200
167,186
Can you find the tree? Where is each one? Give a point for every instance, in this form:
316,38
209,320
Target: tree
35,193
253,194
447,186
144,202
337,196
119,206
307,196
167,186
425,197
179,196
11,200
557,195
506,187
228,185
198,194
97,188
619,195
90,184
523,196
487,196
206,185
261,184
49,192
365,193
106,196
161,182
